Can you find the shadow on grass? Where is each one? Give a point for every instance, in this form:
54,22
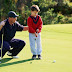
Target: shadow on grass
4,60
8,64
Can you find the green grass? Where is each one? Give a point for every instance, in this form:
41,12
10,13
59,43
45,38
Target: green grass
56,45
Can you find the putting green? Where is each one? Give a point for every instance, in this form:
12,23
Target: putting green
56,45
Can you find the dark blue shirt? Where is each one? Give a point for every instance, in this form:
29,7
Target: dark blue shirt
10,30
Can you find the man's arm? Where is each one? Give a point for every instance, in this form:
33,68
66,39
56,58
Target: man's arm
20,27
25,28
1,25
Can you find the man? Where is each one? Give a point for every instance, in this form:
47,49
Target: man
9,27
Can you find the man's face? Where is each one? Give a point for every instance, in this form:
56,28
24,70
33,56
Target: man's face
34,13
13,19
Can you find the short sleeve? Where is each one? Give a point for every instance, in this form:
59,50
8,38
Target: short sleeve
19,27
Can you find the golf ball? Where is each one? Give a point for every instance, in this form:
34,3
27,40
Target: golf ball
54,61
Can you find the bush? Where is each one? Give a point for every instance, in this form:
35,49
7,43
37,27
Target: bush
49,17
25,14
60,17
50,12
65,9
70,20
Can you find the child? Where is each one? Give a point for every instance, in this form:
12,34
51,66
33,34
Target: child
35,25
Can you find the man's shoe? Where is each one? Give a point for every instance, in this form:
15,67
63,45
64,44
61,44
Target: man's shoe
9,54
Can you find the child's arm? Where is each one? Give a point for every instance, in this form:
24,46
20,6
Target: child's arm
29,23
40,25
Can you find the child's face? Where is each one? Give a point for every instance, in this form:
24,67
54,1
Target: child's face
34,13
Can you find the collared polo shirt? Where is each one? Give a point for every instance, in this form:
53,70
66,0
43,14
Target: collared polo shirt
9,31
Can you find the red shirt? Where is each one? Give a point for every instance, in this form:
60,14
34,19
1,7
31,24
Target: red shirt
34,24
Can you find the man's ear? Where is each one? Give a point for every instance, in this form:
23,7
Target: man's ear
10,17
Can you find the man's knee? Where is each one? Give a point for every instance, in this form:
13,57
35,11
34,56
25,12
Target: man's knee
23,43
6,45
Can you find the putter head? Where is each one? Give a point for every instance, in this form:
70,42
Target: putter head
0,59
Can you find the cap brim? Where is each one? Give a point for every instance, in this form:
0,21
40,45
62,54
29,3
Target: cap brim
16,16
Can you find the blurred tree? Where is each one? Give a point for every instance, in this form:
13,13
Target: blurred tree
21,4
70,0
5,7
23,9
60,2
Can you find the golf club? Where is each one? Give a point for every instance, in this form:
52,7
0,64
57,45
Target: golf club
2,44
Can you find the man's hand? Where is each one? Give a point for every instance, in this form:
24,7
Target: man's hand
25,28
37,30
2,23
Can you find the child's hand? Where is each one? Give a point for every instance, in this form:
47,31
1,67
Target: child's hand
36,34
37,30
